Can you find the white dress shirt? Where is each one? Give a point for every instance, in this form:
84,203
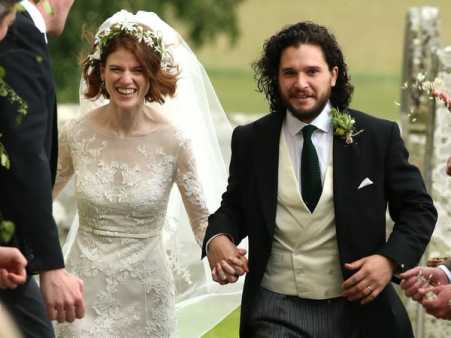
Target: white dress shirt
322,139
36,16
446,270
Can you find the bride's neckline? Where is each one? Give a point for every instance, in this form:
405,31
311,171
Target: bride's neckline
109,133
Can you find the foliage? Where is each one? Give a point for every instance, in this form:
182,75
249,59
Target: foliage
202,19
10,95
6,230
151,39
343,125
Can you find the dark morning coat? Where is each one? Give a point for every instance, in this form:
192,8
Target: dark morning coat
249,204
26,188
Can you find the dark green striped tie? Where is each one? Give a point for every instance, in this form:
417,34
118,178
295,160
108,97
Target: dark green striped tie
311,185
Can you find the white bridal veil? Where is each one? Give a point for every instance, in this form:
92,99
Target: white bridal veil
196,110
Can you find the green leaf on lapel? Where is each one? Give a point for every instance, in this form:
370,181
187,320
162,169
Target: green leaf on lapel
6,231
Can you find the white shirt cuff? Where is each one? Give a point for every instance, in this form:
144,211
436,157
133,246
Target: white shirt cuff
446,270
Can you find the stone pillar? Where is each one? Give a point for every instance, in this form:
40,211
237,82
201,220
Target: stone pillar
426,127
441,185
417,118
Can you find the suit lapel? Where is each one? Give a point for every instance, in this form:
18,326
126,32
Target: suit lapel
346,159
267,166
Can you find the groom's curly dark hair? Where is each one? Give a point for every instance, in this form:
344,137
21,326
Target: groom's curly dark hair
267,67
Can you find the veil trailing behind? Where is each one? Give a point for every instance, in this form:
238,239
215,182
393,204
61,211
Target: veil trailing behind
197,112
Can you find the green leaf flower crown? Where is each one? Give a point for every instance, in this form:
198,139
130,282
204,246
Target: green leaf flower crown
153,39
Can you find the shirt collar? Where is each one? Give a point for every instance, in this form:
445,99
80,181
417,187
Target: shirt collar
36,16
323,121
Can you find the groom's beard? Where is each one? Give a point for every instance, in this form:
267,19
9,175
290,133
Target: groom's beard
310,114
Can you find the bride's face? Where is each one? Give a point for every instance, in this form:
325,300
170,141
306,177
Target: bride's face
125,80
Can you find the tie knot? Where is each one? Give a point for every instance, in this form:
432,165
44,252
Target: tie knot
307,131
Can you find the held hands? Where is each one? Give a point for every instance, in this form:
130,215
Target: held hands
63,294
227,262
416,282
371,275
12,268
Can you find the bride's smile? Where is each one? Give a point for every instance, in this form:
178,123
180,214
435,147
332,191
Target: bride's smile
125,80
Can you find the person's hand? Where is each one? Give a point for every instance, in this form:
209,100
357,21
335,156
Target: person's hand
227,262
439,306
448,166
63,294
372,274
414,281
12,268
445,98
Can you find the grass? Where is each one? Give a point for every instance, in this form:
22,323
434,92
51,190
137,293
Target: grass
228,328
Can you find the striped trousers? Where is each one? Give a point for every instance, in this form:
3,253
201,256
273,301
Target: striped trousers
280,316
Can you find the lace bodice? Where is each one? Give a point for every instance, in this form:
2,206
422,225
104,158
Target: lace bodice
123,184
122,187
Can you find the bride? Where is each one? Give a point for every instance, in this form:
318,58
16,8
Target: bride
148,120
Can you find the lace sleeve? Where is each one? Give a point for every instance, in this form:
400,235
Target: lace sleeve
187,180
65,168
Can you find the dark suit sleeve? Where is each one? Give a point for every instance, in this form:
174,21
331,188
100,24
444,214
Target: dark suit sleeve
26,197
228,219
410,206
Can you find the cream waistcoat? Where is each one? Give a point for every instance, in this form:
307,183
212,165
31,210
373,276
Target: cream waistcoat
304,259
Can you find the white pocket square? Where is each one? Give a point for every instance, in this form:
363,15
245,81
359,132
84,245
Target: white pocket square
365,183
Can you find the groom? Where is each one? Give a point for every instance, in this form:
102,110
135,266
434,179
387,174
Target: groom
313,203
26,188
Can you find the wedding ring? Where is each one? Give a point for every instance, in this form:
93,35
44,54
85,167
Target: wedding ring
369,289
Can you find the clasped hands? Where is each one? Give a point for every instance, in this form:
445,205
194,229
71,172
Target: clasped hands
372,273
227,261
431,288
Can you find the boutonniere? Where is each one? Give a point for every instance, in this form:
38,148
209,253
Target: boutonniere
343,125
6,230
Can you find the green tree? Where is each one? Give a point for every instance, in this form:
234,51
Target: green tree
203,20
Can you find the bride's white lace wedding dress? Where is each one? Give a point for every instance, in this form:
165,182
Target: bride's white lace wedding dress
122,191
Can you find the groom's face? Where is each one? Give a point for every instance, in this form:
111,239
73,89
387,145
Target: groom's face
305,80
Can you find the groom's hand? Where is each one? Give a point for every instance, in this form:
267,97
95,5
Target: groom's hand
227,262
372,274
63,294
